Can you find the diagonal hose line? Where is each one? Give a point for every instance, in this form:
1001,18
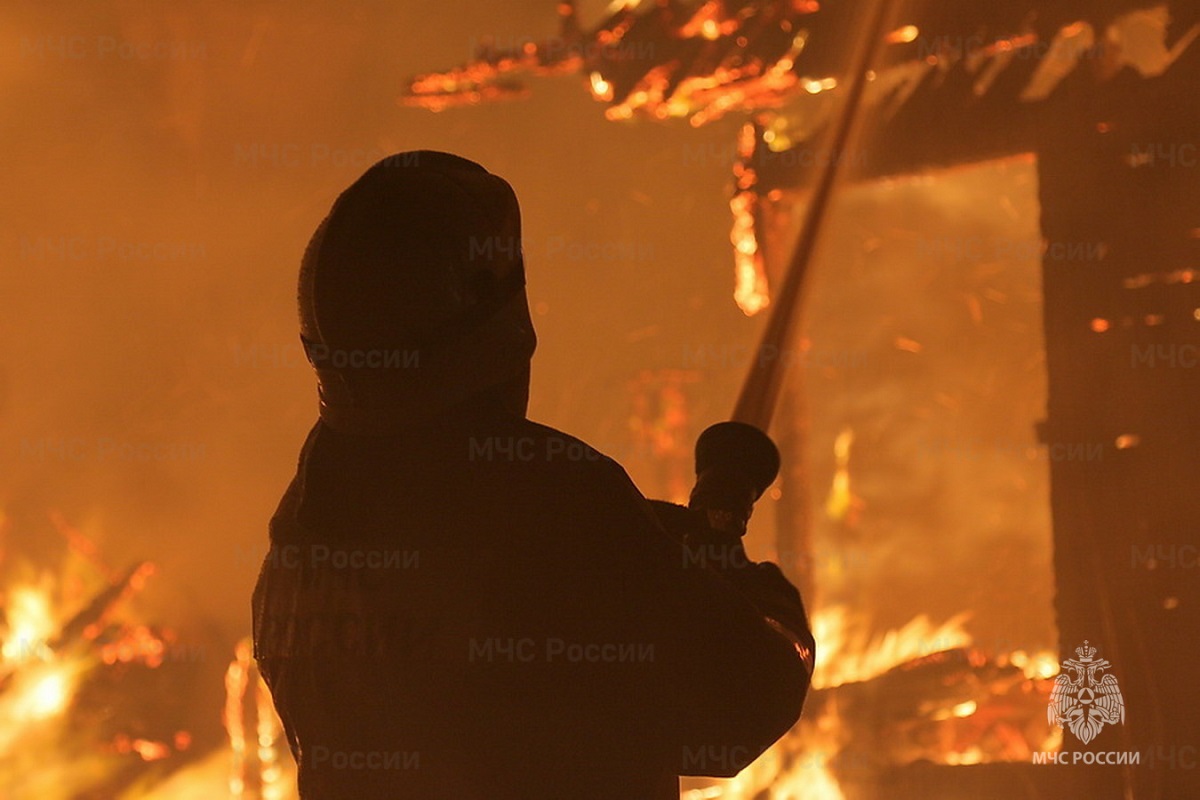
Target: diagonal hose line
760,391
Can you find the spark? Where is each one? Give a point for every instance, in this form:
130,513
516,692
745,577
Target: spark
904,35
601,89
965,709
1127,441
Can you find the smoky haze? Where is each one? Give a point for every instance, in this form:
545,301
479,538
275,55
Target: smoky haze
164,168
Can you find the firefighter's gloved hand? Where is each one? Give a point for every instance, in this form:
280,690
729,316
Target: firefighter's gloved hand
702,543
735,463
763,583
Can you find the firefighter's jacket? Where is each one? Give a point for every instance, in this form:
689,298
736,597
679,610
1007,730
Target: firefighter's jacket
488,608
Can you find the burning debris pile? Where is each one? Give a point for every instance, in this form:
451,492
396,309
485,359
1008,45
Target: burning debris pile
921,694
92,699
95,702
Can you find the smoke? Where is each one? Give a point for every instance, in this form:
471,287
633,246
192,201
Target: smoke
164,170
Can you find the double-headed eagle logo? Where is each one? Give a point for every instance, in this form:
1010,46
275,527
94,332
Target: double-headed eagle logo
1084,699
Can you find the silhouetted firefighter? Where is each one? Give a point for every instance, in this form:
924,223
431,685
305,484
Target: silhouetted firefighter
461,603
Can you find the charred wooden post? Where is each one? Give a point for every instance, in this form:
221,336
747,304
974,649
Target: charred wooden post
1120,195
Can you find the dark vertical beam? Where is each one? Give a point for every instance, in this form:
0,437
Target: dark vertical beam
1120,194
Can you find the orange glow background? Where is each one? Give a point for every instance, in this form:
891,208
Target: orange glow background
153,220
164,167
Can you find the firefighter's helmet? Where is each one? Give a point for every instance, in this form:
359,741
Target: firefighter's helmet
412,293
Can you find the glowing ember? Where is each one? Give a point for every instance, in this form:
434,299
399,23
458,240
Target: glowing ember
1039,666
904,35
601,89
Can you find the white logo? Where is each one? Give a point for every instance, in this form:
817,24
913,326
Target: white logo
1084,700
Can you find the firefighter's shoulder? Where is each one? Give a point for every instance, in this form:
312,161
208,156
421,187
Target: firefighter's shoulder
533,443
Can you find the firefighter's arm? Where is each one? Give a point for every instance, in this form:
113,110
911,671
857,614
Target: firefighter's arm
732,647
762,583
745,649
735,463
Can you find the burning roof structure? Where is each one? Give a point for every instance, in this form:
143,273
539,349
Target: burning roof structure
951,87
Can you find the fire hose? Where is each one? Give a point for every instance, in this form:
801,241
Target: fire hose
736,461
